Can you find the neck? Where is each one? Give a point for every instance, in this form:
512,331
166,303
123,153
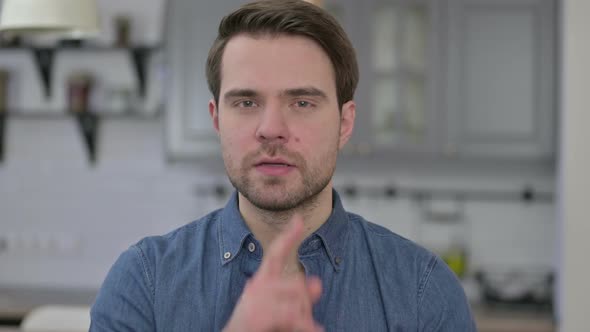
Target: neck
267,225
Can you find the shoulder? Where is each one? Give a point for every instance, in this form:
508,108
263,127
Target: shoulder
390,246
439,296
144,257
397,259
184,238
408,262
132,282
443,305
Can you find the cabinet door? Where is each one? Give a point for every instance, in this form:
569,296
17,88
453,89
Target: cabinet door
396,45
501,78
191,30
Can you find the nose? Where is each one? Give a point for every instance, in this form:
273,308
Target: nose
272,127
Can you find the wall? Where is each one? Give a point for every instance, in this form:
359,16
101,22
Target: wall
57,213
50,194
575,163
65,222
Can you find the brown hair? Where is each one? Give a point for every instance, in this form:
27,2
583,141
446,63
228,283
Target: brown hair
291,17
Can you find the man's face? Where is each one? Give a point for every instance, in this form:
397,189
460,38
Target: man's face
278,119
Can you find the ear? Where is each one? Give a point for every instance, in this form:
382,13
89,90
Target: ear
347,115
214,113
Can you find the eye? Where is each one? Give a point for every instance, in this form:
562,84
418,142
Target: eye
303,104
246,103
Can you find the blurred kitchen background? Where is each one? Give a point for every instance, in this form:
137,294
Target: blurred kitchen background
109,140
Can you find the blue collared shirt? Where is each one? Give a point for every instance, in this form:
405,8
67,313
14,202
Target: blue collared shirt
191,278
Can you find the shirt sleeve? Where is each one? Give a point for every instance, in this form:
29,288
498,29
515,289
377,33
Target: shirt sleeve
125,300
442,304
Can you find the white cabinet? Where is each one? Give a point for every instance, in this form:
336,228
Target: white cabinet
456,78
397,45
191,30
466,79
501,78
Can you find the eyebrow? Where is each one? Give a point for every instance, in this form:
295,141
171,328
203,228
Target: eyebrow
305,91
236,93
295,92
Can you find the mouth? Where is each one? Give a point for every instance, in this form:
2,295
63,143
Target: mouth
274,167
274,162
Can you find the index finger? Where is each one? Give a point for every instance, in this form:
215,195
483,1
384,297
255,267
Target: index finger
276,257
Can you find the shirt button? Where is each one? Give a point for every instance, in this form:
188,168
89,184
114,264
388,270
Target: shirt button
251,247
338,260
227,255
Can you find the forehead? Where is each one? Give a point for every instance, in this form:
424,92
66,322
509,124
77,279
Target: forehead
273,63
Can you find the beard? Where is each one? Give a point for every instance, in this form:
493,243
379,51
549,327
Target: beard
278,194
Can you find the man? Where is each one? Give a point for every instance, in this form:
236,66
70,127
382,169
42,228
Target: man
283,255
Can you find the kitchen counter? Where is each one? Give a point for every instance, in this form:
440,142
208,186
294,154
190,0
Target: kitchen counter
503,320
15,303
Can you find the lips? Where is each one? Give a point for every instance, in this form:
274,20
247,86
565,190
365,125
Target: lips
274,162
274,167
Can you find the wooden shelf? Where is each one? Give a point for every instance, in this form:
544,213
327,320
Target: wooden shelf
44,57
52,115
88,123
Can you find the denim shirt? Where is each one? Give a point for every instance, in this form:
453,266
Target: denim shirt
191,278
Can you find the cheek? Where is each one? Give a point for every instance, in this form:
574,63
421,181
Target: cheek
320,132
316,139
233,147
234,133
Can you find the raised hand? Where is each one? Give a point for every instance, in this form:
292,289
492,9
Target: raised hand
273,301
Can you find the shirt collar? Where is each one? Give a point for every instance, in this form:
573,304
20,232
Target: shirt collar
232,230
333,233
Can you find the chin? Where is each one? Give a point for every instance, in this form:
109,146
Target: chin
283,198
275,206
274,199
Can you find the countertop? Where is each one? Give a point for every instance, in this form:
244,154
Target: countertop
504,320
16,302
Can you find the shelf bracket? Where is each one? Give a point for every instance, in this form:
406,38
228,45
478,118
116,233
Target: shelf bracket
44,60
139,56
2,126
88,123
